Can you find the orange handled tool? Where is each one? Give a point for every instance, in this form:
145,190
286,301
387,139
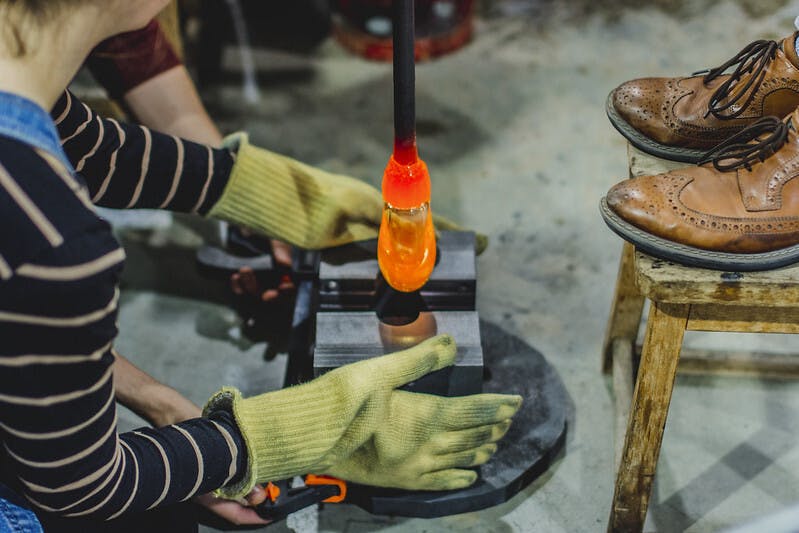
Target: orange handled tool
283,499
406,246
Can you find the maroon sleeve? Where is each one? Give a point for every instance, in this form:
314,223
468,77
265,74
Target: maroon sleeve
127,60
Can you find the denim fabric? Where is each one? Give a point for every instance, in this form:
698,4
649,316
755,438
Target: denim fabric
15,516
24,120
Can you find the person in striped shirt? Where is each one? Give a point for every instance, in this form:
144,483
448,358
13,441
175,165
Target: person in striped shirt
142,69
59,268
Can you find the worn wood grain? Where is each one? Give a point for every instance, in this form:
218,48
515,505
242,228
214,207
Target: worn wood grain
743,318
626,309
623,353
642,164
669,282
650,406
696,362
749,364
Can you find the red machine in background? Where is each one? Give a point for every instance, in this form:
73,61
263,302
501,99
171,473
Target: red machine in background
360,26
364,27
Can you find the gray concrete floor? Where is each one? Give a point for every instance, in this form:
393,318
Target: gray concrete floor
514,132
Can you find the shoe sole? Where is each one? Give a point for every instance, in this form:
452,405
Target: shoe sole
697,257
645,144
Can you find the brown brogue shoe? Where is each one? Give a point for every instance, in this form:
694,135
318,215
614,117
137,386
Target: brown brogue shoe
682,118
737,211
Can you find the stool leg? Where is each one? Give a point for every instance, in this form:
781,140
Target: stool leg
623,383
664,335
625,313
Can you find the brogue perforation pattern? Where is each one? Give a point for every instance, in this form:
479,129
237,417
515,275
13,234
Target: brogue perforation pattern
676,112
774,186
676,183
719,132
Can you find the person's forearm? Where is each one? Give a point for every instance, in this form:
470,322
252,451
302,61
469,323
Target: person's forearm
127,166
169,103
144,395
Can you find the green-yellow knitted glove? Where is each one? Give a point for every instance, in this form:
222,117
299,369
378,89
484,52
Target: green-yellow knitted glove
294,202
353,423
297,203
445,224
446,436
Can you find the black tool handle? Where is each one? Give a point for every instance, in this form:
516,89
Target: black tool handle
293,500
214,258
404,75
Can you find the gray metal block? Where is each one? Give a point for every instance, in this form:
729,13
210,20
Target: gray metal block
348,275
348,337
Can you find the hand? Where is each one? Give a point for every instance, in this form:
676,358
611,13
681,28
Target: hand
245,281
302,205
453,434
237,513
155,402
353,423
296,203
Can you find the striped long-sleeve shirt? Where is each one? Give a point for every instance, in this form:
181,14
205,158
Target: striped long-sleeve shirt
59,266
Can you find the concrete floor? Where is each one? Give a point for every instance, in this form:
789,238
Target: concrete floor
514,132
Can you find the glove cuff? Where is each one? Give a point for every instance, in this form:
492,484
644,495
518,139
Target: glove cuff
229,399
286,432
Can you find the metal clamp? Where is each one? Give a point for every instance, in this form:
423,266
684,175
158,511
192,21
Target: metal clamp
283,499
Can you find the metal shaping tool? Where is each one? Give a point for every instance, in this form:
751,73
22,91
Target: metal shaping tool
344,312
347,337
347,276
337,321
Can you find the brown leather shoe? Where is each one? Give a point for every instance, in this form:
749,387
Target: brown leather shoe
682,118
738,211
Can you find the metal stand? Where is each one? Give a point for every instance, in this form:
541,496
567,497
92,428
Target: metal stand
344,313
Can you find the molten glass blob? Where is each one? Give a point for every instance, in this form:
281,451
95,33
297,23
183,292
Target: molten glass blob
406,250
406,246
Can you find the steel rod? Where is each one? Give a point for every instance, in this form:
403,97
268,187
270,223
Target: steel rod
404,81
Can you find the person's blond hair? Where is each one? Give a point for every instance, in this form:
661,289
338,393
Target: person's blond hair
20,19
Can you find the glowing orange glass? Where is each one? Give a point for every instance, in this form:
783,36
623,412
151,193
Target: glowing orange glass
406,247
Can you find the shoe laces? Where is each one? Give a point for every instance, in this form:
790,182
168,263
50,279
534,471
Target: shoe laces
753,60
751,145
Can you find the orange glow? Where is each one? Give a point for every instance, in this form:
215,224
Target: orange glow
406,185
406,247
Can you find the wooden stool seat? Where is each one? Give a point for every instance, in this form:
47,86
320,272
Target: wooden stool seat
682,298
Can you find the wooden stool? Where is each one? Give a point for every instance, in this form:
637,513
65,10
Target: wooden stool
682,298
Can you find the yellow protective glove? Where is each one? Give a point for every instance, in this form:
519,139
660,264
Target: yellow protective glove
297,203
354,424
445,224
